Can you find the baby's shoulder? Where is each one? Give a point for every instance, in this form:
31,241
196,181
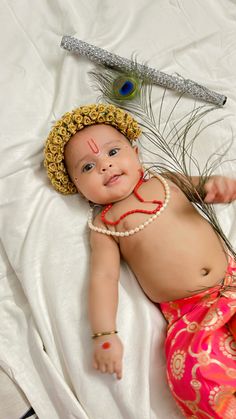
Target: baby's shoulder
97,220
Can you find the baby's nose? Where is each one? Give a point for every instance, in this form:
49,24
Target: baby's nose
106,166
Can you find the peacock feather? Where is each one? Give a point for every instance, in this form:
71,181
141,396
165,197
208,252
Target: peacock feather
171,141
125,88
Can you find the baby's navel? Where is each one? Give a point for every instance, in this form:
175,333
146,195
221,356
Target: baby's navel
205,271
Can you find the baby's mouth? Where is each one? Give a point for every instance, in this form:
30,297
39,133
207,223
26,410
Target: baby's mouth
112,179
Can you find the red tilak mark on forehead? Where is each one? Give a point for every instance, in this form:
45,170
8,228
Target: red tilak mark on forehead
93,146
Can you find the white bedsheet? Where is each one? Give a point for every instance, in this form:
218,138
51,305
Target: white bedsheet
44,331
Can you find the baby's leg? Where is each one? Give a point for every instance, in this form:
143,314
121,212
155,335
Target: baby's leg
202,371
13,403
201,352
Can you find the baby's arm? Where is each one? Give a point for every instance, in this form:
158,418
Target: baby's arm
216,189
220,189
103,301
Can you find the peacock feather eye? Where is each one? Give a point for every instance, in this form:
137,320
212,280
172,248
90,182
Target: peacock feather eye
125,88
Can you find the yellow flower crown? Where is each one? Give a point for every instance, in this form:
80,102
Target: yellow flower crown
74,121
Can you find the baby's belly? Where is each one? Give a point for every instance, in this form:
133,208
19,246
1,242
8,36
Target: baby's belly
181,283
178,263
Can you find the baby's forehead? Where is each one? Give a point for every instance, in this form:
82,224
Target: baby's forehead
100,134
99,130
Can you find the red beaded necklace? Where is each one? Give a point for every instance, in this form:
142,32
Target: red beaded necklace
109,206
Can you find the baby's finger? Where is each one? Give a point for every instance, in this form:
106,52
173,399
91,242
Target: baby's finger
210,191
231,196
103,367
95,365
215,191
226,192
210,197
118,370
110,367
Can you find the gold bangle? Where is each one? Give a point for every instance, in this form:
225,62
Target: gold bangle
97,335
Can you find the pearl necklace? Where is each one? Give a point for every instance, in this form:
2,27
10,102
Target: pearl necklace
141,226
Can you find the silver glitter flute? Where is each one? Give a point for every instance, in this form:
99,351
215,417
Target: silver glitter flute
151,75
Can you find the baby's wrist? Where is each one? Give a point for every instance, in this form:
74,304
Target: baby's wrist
105,334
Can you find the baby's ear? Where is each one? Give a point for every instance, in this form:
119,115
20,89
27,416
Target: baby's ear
136,149
75,181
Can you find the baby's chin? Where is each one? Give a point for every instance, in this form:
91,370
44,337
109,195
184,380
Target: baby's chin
104,202
116,198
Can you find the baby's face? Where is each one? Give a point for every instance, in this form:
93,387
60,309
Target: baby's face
102,164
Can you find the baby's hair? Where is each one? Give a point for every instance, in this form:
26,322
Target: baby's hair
72,122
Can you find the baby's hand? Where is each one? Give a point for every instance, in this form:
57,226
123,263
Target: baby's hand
220,189
108,353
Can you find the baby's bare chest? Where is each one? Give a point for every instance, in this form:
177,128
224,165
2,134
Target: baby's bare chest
152,203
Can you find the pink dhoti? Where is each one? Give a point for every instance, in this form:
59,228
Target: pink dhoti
201,350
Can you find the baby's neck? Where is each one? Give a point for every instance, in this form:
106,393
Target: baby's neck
159,205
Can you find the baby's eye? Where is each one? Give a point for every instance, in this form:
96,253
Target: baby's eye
87,167
113,151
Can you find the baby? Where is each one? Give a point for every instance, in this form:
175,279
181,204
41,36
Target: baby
175,254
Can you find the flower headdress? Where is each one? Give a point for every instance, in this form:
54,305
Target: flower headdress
74,121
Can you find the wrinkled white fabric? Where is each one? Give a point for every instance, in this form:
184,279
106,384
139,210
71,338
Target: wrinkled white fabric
44,331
